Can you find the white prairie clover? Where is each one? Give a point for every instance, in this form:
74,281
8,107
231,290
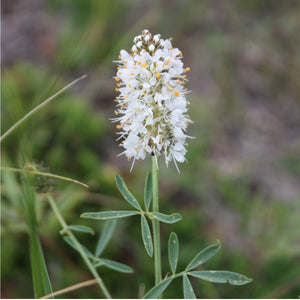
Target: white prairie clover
152,107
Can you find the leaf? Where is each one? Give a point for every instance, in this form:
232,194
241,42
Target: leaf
173,251
114,265
188,291
169,219
222,277
78,228
107,215
87,252
41,281
125,192
203,256
146,235
105,236
40,276
158,289
148,191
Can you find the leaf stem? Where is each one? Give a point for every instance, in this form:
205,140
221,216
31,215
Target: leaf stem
155,223
78,246
13,127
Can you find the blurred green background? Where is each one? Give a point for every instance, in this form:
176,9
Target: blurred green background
242,182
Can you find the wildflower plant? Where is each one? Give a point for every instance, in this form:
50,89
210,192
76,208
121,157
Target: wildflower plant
152,119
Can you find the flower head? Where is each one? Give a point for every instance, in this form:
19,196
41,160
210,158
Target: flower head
152,107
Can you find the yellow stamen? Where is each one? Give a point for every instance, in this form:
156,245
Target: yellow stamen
180,53
171,47
144,93
157,75
116,89
118,126
139,62
176,93
117,79
116,113
170,39
144,65
126,96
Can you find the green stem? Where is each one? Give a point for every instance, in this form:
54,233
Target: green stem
37,108
155,223
78,246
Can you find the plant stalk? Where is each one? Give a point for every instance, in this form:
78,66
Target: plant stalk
78,246
155,223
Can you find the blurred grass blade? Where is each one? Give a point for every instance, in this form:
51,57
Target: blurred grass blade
40,277
188,291
86,251
46,175
146,235
78,228
105,236
169,219
13,127
114,265
148,191
203,256
126,193
221,277
173,248
158,289
41,281
107,215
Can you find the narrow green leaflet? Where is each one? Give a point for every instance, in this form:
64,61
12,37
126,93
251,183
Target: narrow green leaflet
107,215
78,228
173,251
114,265
169,219
222,277
158,289
125,192
188,291
146,235
148,191
105,236
70,242
203,256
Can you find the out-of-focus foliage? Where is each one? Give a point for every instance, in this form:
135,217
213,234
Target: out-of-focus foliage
242,182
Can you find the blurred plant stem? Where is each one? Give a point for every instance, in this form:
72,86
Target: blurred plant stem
155,223
78,246
37,108
71,288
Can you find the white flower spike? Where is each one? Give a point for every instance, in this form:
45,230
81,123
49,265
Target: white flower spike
152,107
